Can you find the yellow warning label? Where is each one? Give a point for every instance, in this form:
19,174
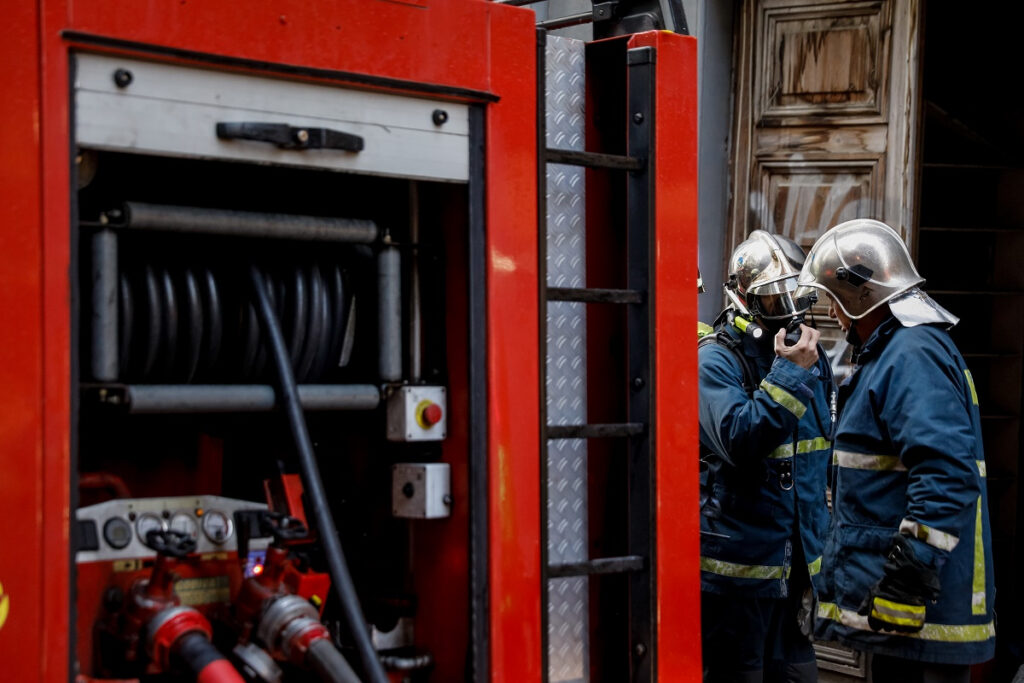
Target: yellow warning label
210,557
203,591
127,565
5,605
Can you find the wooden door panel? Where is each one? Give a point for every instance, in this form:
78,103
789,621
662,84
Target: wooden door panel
802,198
826,89
822,62
820,141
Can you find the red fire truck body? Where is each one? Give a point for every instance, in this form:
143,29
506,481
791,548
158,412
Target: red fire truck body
473,584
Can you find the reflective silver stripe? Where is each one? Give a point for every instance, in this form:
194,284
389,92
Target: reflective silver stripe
982,469
864,461
742,571
897,613
931,536
805,446
945,633
814,567
784,398
978,605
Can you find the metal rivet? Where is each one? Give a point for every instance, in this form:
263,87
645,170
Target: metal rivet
439,117
302,135
123,78
638,383
640,649
638,117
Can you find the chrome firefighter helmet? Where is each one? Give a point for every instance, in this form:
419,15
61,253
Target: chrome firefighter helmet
864,264
763,273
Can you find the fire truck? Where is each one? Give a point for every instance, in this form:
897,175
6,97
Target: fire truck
346,341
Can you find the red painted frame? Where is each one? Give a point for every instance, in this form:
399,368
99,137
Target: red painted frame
675,319
411,41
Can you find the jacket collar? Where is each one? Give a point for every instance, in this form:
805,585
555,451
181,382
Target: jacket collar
877,341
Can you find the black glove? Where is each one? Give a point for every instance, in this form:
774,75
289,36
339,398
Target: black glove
897,601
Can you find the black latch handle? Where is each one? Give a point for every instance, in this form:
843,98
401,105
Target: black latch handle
290,137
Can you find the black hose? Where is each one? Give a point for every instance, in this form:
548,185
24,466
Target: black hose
195,652
314,484
328,664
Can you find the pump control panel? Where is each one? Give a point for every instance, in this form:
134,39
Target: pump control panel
118,529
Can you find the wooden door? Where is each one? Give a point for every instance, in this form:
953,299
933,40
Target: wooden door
826,117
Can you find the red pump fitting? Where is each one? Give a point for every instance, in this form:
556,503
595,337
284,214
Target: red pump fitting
288,626
182,635
292,632
176,636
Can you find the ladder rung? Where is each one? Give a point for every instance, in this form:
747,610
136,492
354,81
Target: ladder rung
600,296
570,20
594,160
595,431
607,565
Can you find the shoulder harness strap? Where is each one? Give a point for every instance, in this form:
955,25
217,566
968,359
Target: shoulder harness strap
727,341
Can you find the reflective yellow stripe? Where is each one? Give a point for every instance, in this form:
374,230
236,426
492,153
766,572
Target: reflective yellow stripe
742,571
864,461
978,584
945,633
805,446
897,612
931,536
982,469
814,567
970,383
899,621
784,399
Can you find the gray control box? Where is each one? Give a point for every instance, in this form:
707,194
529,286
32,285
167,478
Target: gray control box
421,491
417,413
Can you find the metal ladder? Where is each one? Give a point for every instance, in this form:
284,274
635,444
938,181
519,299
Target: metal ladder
564,507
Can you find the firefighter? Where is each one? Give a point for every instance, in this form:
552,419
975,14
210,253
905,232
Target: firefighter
764,432
908,563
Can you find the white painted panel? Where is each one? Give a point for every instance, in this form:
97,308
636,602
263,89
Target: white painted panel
173,110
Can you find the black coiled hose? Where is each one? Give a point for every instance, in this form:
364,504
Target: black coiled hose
289,397
182,324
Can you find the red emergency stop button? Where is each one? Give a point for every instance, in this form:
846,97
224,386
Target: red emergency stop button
430,415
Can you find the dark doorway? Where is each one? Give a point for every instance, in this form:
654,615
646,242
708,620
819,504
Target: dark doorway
970,246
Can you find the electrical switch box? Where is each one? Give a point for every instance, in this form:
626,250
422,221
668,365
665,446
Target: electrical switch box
421,490
417,413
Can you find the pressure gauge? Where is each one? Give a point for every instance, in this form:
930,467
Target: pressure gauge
217,526
148,522
186,524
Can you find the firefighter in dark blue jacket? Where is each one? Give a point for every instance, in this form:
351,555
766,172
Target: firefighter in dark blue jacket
908,563
764,431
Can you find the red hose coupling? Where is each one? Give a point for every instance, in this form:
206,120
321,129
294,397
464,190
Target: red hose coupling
170,625
298,636
288,625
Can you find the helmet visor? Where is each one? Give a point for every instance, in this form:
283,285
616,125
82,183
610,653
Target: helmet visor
780,299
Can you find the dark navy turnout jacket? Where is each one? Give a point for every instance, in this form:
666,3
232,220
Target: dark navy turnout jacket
908,459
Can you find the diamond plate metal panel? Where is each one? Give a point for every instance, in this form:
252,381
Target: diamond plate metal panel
568,609
567,632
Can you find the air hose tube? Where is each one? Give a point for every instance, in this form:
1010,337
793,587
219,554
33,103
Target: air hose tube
313,483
